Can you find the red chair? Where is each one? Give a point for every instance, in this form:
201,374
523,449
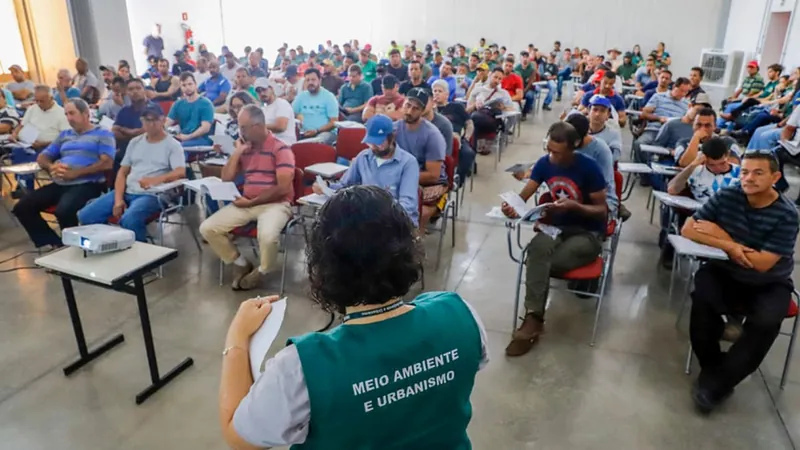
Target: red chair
792,313
309,153
249,232
166,106
599,269
449,212
348,142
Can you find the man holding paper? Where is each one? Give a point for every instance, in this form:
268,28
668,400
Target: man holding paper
76,161
579,211
151,159
268,167
44,120
384,165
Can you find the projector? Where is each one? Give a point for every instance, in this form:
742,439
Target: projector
98,239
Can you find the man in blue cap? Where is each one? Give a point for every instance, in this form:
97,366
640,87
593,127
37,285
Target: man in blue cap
386,165
151,159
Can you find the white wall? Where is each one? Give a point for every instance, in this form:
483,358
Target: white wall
514,23
204,18
744,24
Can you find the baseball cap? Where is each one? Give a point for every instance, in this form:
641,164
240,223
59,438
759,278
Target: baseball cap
482,66
379,127
153,111
108,67
261,83
702,99
328,62
598,75
613,49
291,70
752,63
420,95
367,47
389,81
600,100
178,53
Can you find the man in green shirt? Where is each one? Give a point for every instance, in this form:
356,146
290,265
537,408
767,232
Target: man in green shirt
627,69
773,74
461,56
487,58
408,55
368,67
474,61
753,83
525,68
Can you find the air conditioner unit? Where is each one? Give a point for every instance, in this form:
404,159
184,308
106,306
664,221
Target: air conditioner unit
722,70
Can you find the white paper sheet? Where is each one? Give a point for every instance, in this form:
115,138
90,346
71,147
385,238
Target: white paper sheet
225,141
313,200
28,134
263,338
225,191
197,185
164,187
326,191
515,202
106,122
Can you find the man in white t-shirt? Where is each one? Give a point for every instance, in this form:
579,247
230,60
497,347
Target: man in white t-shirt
278,113
491,93
228,70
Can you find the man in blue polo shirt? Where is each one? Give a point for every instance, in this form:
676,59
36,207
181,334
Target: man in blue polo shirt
194,114
128,123
386,165
76,161
216,87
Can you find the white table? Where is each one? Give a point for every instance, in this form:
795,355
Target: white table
655,149
326,170
677,201
631,169
313,200
215,161
122,272
348,124
668,171
634,97
21,169
694,252
628,88
199,149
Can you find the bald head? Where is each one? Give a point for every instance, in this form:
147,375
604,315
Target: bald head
252,124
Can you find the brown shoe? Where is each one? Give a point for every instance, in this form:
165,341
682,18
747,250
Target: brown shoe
239,272
524,338
250,281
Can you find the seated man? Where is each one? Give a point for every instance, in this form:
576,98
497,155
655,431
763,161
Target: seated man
116,99
549,73
278,113
390,103
268,168
192,113
422,139
47,117
757,227
686,150
316,109
76,161
599,115
512,82
579,211
606,89
353,96
64,89
710,171
151,159
675,131
9,117
128,123
415,79
166,87
446,74
752,85
216,88
662,86
386,165
20,88
657,112
597,150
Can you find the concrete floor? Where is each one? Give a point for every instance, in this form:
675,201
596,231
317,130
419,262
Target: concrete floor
628,392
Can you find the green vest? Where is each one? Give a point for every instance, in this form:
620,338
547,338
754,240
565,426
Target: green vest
401,383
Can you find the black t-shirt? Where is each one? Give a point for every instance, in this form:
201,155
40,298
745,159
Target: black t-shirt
550,70
377,86
400,72
456,114
406,86
179,68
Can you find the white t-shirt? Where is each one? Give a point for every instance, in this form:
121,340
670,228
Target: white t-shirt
199,78
50,123
229,73
794,119
281,108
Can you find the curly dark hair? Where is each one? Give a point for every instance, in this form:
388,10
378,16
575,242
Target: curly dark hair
363,250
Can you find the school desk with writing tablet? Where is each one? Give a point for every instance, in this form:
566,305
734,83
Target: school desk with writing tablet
121,271
655,149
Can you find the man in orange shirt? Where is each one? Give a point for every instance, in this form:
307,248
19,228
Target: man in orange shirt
512,82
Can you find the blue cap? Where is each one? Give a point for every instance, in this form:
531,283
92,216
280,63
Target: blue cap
600,100
379,127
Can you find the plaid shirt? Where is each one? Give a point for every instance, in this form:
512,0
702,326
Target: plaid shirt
753,85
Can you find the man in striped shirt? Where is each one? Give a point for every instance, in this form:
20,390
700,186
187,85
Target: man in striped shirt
757,228
268,167
76,161
660,109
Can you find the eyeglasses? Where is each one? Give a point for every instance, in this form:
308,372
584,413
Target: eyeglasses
763,152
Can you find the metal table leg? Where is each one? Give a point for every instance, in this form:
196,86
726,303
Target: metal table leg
86,356
157,380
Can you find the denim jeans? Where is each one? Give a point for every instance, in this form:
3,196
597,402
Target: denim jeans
765,137
728,109
140,208
22,156
551,89
530,100
563,76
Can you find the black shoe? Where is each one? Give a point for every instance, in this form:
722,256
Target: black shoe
18,193
547,108
558,99
667,257
524,117
703,400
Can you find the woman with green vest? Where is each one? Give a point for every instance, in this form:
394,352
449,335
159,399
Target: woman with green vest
394,375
